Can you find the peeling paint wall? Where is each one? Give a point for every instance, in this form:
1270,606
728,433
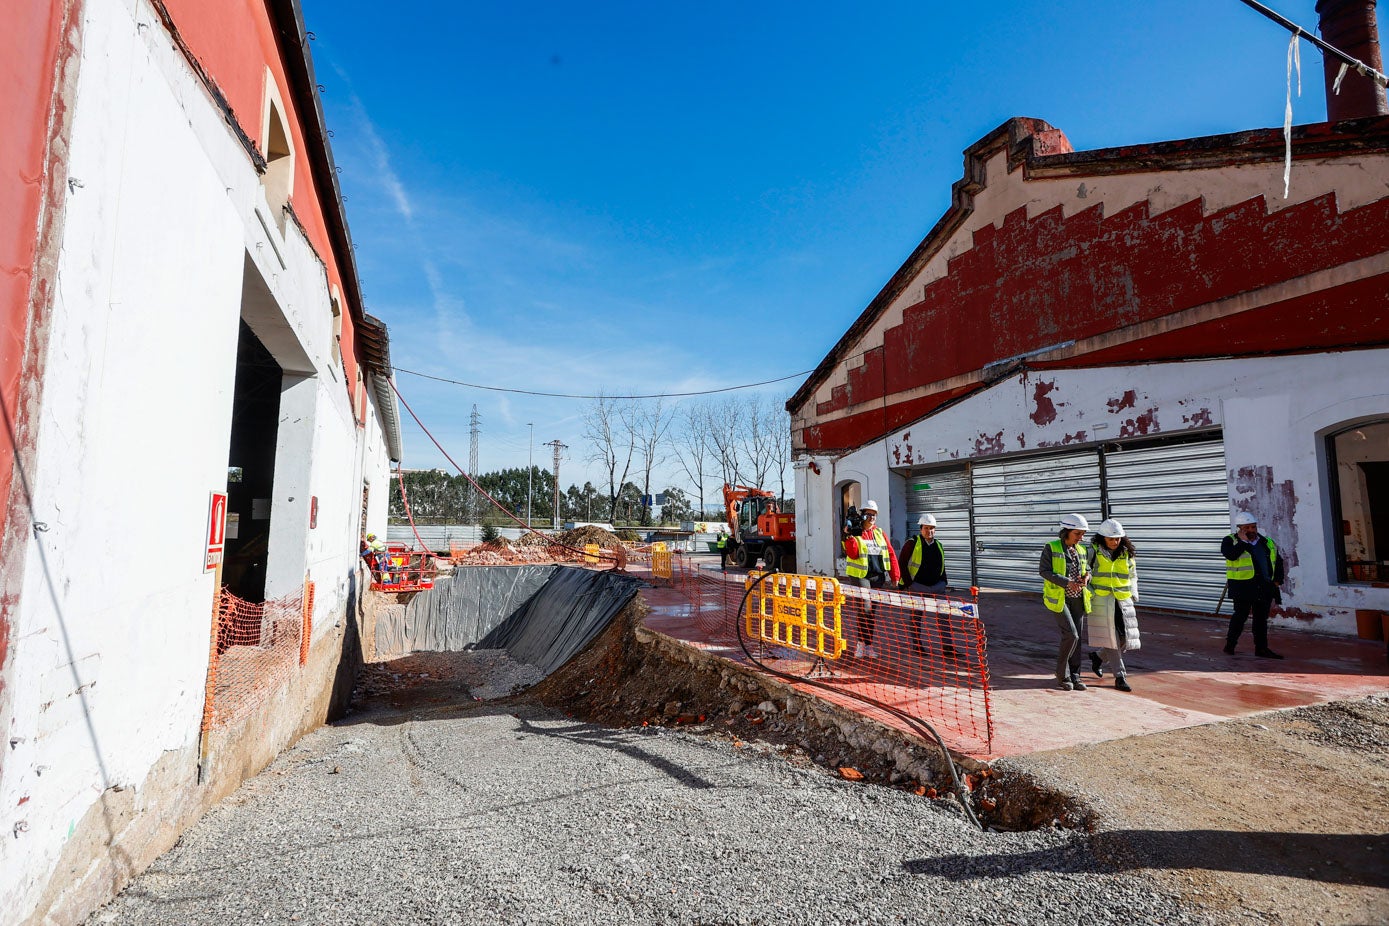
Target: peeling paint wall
164,234
1211,259
1273,413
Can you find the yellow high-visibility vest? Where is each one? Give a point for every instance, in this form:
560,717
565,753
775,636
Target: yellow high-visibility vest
1053,595
1111,576
1243,568
916,554
857,567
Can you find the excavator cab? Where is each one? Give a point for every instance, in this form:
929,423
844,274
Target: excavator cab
760,528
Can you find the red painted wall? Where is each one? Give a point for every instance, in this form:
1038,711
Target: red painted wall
31,48
234,42
1034,283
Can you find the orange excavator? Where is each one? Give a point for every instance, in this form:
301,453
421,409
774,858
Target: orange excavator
758,529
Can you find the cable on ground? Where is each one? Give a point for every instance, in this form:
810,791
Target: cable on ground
916,723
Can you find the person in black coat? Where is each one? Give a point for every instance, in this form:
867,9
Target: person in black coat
1253,573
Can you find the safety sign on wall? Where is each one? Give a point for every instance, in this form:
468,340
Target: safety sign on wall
216,530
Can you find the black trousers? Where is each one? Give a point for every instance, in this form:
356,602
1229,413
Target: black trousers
1259,607
865,618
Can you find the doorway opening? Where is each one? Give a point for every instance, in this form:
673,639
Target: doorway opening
251,467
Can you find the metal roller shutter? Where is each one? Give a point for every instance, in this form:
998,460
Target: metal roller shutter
945,494
1017,504
1174,504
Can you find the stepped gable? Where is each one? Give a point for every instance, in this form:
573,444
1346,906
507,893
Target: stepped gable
1032,283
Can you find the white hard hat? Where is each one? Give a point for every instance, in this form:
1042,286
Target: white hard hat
1075,522
1111,528
1244,518
869,505
926,520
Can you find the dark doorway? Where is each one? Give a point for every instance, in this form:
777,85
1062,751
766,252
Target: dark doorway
251,467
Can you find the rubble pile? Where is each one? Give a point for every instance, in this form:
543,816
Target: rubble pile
502,552
580,536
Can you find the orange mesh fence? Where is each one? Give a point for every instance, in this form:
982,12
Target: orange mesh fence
306,637
258,648
925,655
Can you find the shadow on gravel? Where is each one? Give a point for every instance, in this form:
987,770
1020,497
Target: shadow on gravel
591,735
1310,856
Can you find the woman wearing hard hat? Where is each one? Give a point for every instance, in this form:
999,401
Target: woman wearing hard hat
1113,620
869,562
1065,571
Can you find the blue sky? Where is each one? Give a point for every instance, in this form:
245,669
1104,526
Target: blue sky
652,197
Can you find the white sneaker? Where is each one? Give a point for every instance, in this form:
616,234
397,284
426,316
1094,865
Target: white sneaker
858,650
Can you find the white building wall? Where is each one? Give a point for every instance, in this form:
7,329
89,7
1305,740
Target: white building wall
111,637
1274,413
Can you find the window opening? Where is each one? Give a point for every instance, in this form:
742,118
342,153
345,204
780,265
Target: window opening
1359,465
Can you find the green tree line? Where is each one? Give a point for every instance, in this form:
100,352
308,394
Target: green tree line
436,497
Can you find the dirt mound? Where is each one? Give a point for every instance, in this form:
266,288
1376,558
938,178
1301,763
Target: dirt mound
632,678
587,534
533,539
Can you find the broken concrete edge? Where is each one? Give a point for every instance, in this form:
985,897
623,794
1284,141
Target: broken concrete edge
635,676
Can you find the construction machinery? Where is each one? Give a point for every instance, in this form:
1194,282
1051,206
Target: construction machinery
758,528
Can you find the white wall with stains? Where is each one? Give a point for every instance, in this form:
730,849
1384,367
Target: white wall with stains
1275,413
111,636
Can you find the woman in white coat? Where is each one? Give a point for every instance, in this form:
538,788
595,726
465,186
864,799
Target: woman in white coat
1113,620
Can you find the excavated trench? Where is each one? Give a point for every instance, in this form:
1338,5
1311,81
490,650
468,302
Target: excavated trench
573,641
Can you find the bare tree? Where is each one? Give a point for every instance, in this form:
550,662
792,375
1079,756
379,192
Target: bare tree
692,448
762,436
649,424
784,446
613,443
725,420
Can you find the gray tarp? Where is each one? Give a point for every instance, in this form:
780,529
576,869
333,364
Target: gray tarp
541,615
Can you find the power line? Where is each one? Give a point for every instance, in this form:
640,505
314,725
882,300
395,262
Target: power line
566,395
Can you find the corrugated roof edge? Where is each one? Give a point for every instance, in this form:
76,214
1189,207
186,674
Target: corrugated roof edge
288,16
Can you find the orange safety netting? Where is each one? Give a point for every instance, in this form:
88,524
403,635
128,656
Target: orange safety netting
258,647
924,655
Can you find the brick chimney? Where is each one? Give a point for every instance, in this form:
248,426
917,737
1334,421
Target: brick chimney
1350,26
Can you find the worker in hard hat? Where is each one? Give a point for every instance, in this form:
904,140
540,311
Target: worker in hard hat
869,562
923,571
1253,572
1112,625
923,558
374,552
1065,571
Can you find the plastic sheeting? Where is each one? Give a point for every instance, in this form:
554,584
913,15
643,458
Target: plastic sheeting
541,615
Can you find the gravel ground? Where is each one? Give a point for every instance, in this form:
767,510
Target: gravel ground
506,813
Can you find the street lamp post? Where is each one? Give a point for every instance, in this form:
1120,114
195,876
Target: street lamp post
530,469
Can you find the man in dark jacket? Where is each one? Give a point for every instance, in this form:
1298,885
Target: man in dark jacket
923,559
1253,573
923,571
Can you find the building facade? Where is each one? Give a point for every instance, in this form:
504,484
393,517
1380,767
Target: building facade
182,317
1153,333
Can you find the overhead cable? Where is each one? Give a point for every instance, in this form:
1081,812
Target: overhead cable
1355,64
567,395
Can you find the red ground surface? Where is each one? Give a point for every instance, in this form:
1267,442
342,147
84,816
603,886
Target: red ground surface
1180,677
